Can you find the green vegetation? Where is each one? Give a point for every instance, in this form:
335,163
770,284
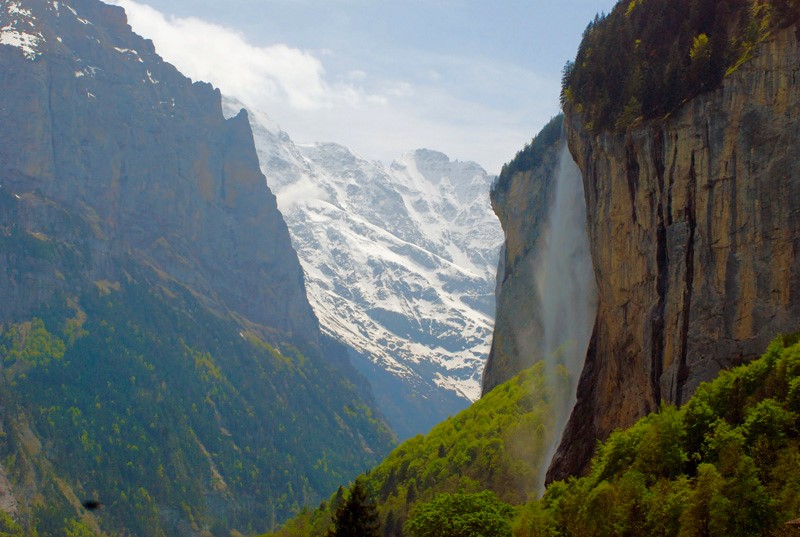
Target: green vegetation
461,515
142,399
648,56
356,515
727,463
496,444
9,528
532,154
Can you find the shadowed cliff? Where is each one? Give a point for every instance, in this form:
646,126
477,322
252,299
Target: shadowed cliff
157,351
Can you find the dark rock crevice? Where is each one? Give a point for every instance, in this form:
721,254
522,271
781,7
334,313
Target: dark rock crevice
691,216
662,273
632,175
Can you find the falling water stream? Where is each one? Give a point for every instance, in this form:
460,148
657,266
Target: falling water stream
567,293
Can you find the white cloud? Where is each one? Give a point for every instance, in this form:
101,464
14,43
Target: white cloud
470,109
274,75
301,191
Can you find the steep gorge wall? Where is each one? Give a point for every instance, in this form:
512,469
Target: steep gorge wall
151,303
694,226
521,199
96,124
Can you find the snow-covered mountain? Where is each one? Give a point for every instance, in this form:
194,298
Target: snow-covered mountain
400,265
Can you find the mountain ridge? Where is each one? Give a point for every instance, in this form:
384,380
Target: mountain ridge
157,351
400,263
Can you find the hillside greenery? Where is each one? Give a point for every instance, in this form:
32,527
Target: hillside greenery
533,154
726,463
461,515
647,57
140,398
495,445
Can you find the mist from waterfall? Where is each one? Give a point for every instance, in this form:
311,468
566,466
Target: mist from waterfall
567,294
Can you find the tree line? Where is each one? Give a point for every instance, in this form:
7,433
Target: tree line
647,57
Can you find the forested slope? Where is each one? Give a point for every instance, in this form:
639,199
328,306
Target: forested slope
647,57
726,463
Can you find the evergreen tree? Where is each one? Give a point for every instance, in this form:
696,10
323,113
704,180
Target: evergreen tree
357,516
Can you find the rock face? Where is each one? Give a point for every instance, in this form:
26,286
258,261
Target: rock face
694,225
521,200
93,118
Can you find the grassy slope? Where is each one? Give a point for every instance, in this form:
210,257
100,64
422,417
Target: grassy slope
491,445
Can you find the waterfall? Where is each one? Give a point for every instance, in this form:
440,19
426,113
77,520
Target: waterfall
567,293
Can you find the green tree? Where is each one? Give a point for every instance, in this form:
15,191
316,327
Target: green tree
660,450
665,505
357,516
705,513
461,515
8,527
534,520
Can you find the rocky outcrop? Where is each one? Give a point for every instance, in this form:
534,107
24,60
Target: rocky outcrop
8,503
521,199
694,225
95,122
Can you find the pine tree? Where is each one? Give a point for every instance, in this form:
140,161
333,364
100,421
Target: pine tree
357,516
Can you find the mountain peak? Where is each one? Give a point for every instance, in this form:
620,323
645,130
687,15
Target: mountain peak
434,174
67,28
400,263
430,155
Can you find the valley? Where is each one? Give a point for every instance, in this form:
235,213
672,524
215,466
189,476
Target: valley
209,329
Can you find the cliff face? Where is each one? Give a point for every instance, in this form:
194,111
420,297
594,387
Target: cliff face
521,200
96,123
694,226
157,350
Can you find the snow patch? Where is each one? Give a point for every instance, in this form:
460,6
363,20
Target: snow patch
131,52
28,43
15,9
126,51
82,21
89,71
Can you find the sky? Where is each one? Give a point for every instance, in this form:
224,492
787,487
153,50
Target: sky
472,78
